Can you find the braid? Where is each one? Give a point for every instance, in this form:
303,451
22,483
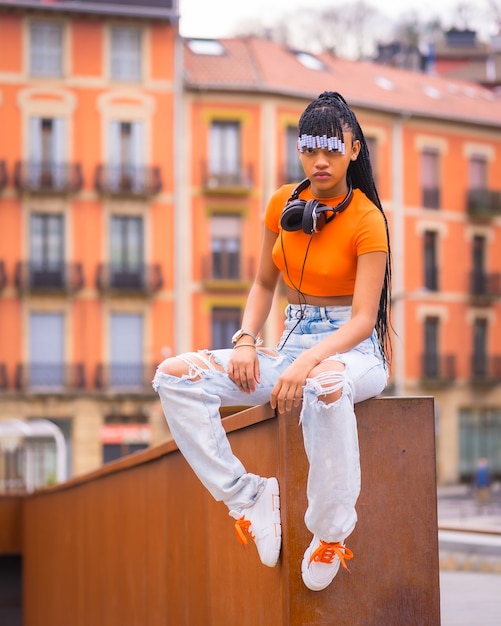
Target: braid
328,115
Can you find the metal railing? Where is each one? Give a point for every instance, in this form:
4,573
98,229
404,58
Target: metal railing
236,179
227,269
128,180
487,285
49,377
140,279
486,369
62,277
483,203
438,368
48,177
3,174
431,197
125,377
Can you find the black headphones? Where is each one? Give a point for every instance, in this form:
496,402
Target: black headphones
310,215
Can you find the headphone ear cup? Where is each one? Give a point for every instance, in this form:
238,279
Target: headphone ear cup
292,216
307,221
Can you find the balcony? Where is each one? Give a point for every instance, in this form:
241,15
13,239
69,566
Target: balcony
4,380
128,180
431,197
483,203
227,273
57,178
438,370
56,277
3,175
144,279
3,275
49,377
485,370
125,377
234,181
485,287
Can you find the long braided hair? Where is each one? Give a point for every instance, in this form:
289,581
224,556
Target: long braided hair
328,115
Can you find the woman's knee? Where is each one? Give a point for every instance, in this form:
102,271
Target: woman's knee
174,366
327,379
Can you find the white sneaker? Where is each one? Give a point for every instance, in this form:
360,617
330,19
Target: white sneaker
321,563
261,522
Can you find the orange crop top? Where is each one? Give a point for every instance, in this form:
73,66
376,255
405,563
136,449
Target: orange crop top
325,263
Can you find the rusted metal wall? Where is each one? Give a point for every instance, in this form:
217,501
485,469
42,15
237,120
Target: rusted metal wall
140,542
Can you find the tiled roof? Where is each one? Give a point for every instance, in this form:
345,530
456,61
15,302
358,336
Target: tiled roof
258,65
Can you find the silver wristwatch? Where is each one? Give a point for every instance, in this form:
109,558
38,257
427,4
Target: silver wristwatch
240,333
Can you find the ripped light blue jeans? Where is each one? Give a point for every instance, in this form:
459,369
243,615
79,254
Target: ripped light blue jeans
191,405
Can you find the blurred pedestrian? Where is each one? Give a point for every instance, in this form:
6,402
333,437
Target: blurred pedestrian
483,482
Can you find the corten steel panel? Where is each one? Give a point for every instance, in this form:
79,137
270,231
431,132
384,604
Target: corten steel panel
141,542
395,571
10,524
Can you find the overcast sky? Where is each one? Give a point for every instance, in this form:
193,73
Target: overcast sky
216,18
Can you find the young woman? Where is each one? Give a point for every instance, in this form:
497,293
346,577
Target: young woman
328,238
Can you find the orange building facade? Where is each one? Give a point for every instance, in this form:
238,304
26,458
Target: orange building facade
87,110
436,151
134,173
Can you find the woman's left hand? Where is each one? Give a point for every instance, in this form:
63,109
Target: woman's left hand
288,391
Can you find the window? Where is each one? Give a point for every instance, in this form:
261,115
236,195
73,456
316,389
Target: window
293,170
126,155
46,49
47,250
225,323
225,245
46,345
126,252
477,172
224,154
372,146
125,53
431,360
479,277
479,361
47,152
430,179
126,350
430,260
479,437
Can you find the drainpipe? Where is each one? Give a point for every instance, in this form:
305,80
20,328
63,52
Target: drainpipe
398,247
182,213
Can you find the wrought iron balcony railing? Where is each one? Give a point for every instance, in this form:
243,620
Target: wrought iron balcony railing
232,180
483,203
227,271
125,377
43,277
141,278
48,177
49,377
431,197
485,286
3,175
3,275
438,369
4,380
128,180
486,369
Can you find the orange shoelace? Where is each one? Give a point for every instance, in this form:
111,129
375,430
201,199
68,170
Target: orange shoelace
326,552
242,526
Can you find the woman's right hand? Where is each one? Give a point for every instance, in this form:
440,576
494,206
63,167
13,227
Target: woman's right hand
243,368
